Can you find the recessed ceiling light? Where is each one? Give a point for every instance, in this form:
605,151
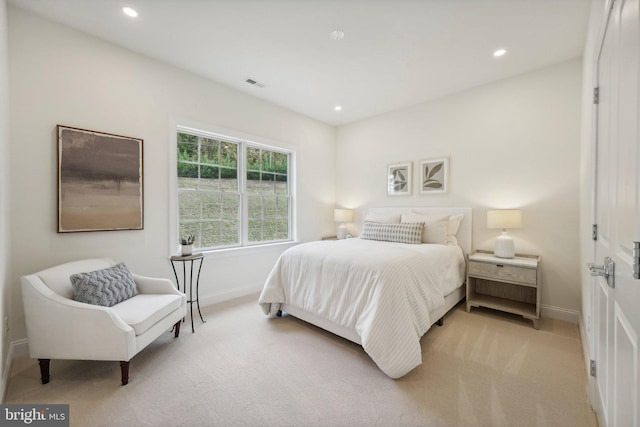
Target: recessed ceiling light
130,12
500,52
338,108
337,34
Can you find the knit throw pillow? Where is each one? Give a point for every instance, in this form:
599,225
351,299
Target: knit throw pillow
106,287
398,233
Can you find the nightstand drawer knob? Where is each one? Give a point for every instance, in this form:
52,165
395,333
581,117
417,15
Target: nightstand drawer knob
499,265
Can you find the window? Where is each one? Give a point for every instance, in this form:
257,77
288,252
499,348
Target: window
232,192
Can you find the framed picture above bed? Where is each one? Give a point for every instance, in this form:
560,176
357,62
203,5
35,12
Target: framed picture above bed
399,179
434,176
99,181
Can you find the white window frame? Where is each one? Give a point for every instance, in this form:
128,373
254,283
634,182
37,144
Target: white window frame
244,141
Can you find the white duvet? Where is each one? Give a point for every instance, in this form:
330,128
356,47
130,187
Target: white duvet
383,291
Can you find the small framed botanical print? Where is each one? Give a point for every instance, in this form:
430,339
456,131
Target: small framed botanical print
399,179
434,176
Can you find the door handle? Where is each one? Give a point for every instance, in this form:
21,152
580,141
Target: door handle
608,270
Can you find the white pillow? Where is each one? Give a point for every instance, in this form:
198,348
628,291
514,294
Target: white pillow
384,218
435,226
454,226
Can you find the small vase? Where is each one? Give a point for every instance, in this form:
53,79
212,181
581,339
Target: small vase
187,250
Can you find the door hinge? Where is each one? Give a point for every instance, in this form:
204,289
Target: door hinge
592,368
636,260
594,232
596,95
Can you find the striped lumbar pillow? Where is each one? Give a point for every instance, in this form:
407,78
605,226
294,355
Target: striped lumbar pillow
398,233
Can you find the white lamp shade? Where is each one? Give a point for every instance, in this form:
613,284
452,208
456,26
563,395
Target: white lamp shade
504,218
342,215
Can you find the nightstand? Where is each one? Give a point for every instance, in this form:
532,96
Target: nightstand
511,285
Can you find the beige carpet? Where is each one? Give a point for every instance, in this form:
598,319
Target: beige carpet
243,369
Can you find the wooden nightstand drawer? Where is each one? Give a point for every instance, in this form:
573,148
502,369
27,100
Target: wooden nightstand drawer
507,273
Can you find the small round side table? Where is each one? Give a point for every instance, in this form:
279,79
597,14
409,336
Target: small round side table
184,260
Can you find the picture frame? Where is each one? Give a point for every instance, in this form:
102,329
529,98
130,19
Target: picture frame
100,181
434,176
399,177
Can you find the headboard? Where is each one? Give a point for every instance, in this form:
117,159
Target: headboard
464,233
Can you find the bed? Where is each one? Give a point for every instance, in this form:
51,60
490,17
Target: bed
383,295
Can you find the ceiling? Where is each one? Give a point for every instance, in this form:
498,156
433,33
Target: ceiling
394,54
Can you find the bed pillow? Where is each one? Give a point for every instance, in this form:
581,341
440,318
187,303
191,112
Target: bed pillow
454,226
106,287
435,226
398,233
385,218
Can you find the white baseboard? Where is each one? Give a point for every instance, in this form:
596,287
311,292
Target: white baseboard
229,295
571,316
19,348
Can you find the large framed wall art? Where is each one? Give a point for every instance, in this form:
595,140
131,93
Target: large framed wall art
100,181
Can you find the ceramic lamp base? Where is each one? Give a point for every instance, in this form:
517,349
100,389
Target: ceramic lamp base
504,247
342,232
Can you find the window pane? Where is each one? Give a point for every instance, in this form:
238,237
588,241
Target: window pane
229,232
281,162
229,154
282,209
267,184
269,207
282,229
209,149
187,175
211,206
187,147
229,179
230,204
254,207
189,206
253,159
210,234
267,161
255,230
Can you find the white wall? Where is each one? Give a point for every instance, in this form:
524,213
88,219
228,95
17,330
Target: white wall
61,76
5,289
511,144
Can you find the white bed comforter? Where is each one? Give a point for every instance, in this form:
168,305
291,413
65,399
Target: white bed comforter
383,291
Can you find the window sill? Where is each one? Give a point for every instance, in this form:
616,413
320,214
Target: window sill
249,250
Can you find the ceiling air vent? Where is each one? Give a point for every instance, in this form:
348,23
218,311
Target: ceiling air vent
255,83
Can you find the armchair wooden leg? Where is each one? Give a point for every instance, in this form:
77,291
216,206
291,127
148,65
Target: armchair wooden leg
44,370
177,328
124,368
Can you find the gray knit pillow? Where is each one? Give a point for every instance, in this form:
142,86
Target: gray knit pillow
399,233
105,287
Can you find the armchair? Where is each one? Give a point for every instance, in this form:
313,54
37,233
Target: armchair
59,327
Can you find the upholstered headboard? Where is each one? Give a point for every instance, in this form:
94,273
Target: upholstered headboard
464,233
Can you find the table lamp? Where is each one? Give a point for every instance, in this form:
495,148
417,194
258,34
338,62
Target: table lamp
342,216
504,218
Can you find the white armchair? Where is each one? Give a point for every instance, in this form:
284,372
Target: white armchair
60,328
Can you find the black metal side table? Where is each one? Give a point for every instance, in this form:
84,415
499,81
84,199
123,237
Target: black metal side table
184,260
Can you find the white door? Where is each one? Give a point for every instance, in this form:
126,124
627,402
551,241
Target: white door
616,310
